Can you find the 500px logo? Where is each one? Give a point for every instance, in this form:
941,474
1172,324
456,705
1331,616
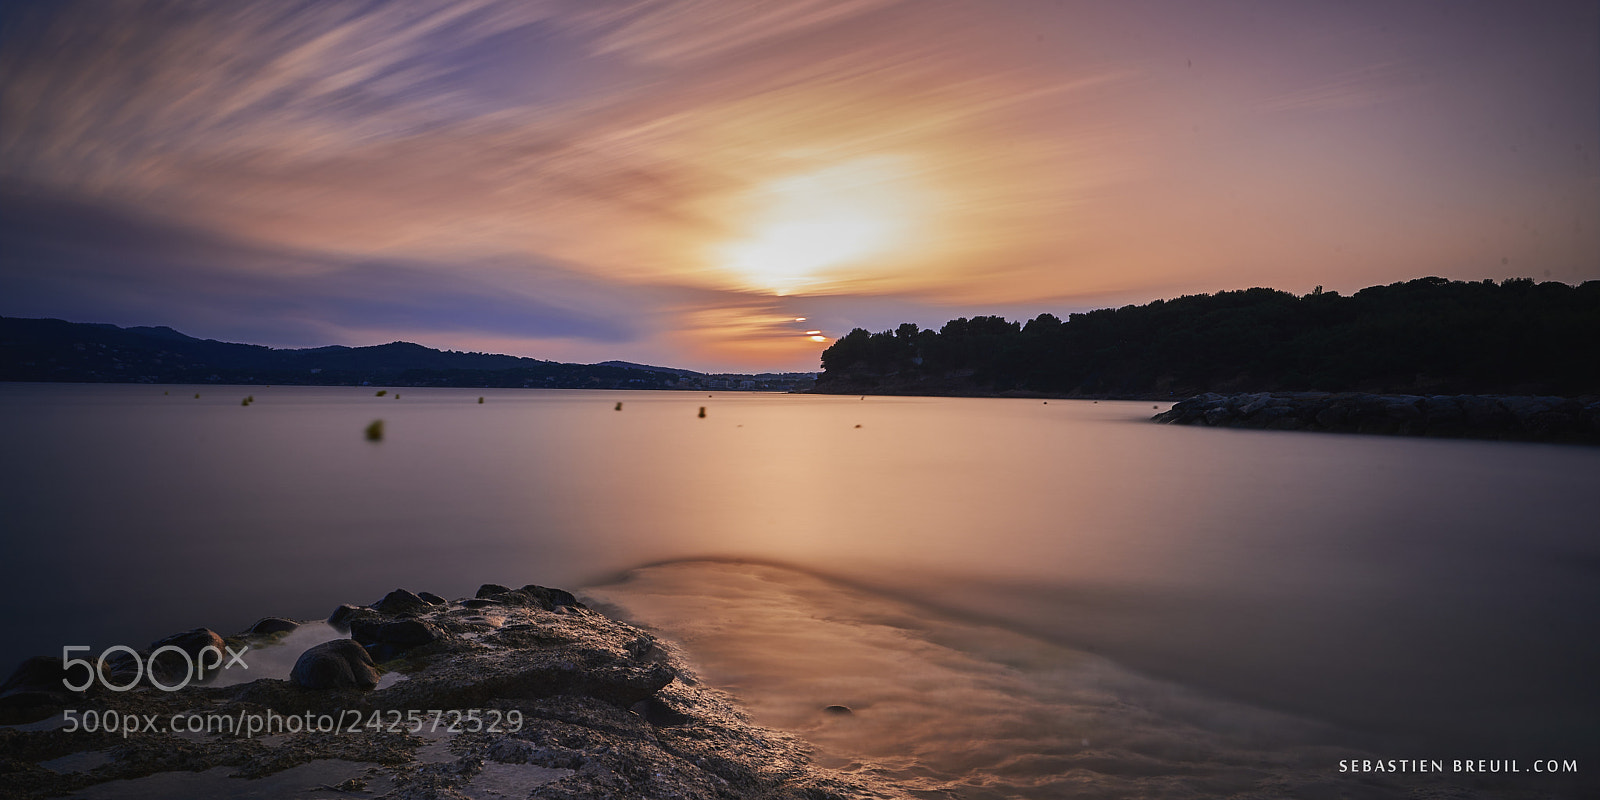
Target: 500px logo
157,666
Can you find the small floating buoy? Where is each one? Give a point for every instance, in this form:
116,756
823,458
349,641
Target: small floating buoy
619,405
381,392
838,710
397,395
858,426
197,395
375,431
166,393
480,401
702,412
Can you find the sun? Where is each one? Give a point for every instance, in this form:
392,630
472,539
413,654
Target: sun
830,218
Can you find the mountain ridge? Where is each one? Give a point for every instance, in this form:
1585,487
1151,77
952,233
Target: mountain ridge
55,350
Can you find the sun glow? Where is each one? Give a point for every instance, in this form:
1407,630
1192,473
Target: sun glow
807,224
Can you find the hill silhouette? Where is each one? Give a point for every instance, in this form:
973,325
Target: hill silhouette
55,350
1426,336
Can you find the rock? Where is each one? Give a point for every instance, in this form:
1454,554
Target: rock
339,664
1335,416
386,641
603,715
432,599
1489,417
480,602
492,589
1253,403
204,648
35,690
400,602
345,614
409,633
1549,424
269,625
659,713
554,597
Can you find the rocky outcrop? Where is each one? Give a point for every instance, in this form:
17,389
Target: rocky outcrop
1540,419
601,709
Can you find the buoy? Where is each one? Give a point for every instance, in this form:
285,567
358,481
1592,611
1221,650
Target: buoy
375,431
381,392
480,401
197,395
702,412
619,405
858,426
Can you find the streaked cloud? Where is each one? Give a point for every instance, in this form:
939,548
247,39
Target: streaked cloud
574,158
1357,88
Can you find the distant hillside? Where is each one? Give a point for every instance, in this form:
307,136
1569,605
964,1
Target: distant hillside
54,350
1427,336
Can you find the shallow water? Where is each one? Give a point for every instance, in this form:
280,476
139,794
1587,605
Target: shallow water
950,708
1423,596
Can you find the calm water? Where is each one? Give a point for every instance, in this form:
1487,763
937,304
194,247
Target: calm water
1415,598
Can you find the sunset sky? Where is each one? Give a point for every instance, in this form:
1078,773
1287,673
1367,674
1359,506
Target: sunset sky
679,183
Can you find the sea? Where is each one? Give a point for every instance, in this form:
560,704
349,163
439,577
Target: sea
1013,598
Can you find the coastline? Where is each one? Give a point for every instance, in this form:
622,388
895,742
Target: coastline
536,692
1504,417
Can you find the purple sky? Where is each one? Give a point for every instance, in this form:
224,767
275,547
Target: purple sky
678,182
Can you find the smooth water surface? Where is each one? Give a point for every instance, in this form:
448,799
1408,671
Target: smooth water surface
1441,595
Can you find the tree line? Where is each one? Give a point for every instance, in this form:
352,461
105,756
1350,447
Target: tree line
1426,336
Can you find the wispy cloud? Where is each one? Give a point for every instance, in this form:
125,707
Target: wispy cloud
554,155
682,30
1385,82
131,270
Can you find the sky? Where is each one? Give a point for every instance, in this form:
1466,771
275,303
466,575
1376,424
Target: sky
729,185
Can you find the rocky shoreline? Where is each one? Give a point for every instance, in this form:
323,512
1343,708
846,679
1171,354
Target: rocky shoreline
602,709
1519,418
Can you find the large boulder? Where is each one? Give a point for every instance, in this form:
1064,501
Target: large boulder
339,664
